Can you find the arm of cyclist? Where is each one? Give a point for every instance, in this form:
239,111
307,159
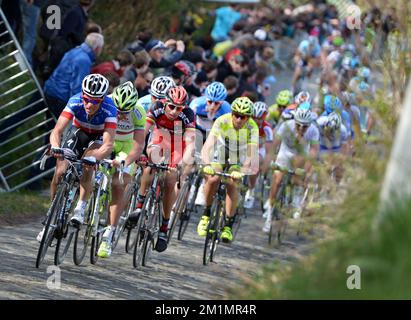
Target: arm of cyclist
207,149
267,160
55,136
107,147
138,146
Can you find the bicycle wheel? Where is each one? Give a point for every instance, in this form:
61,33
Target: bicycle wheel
131,227
66,233
83,234
178,209
150,237
236,224
142,230
212,232
50,225
189,209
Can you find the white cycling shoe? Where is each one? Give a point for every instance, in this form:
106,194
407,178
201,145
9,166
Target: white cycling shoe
40,235
249,199
78,216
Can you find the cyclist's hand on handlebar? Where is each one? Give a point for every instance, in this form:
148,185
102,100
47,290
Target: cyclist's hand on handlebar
143,160
208,170
236,175
299,172
56,152
116,164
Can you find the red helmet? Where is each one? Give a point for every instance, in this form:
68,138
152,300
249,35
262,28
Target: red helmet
183,67
177,95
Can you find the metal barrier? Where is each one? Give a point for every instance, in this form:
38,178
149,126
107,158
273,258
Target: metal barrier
25,122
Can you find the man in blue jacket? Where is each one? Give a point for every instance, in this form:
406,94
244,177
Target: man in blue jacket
75,65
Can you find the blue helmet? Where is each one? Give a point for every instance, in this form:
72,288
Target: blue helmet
216,92
332,103
306,105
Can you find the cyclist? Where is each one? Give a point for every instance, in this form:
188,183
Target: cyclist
207,109
283,100
334,104
173,134
233,139
158,89
266,136
94,119
299,144
128,146
333,141
306,58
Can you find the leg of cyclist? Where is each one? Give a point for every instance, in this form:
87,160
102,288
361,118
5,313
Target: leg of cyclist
231,206
118,191
298,183
210,189
61,167
86,186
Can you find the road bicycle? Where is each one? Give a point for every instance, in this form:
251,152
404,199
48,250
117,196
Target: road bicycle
56,225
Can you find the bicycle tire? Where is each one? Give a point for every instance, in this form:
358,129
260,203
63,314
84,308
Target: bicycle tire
209,243
138,241
149,237
68,234
179,208
81,242
129,245
51,221
189,209
95,244
142,229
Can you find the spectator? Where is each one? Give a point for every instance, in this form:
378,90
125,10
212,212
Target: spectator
93,27
71,34
210,68
123,60
232,85
141,63
226,17
233,64
143,82
143,37
30,14
67,78
156,50
113,79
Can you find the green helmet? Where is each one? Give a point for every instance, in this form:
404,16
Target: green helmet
242,105
338,41
125,96
284,98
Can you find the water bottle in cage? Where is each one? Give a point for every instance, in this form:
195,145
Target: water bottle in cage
99,176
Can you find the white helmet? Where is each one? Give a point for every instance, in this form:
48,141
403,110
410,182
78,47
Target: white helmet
259,109
333,121
95,85
302,97
303,117
160,85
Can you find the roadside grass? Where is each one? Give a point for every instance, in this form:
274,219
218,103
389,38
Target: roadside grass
16,207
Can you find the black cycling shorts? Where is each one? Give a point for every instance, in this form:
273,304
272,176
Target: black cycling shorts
78,140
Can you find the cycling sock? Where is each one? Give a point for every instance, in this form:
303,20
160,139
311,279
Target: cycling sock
207,211
81,205
109,232
229,221
164,225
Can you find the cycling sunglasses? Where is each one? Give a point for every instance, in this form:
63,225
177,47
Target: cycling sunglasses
240,116
301,126
214,102
94,102
173,106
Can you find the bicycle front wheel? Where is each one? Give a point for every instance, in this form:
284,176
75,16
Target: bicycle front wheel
51,224
212,235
